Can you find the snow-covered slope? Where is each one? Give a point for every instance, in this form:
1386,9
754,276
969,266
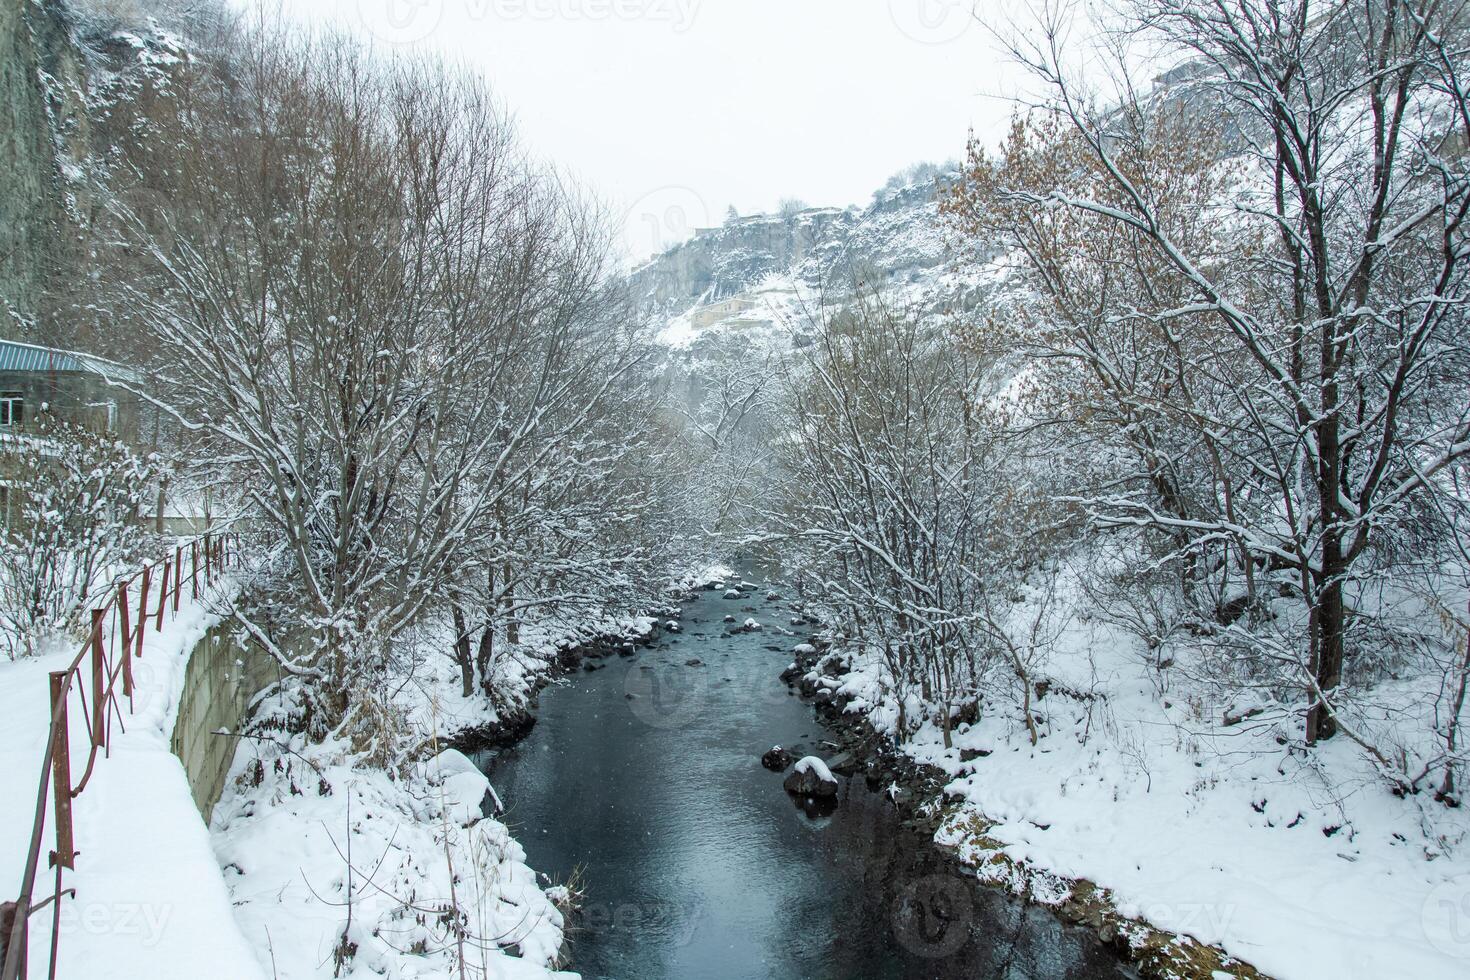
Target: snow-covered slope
781,268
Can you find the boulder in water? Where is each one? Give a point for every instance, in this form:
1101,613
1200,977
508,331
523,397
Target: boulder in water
777,759
811,777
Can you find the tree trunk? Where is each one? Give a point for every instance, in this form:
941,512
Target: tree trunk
487,637
1331,618
512,620
484,656
462,653
1330,626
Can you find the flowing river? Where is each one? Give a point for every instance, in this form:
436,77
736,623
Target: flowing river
643,777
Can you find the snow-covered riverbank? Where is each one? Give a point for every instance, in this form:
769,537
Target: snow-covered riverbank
1185,815
391,867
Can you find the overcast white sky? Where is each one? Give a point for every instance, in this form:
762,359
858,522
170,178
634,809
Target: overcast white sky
674,110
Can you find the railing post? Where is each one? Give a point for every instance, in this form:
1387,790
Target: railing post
64,855
142,609
125,648
178,575
162,595
194,569
208,558
14,920
99,671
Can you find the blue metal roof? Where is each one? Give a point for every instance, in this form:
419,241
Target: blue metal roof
15,356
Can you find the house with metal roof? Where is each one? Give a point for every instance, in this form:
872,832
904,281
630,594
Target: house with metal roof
39,382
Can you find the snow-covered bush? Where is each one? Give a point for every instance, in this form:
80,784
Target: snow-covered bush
72,497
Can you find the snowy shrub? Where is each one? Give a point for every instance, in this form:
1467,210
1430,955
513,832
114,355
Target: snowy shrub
72,499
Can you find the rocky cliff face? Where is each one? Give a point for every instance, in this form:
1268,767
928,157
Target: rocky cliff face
75,90
31,210
786,265
897,238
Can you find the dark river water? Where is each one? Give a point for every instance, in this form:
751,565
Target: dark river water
697,865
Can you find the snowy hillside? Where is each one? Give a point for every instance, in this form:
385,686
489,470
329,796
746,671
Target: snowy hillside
761,275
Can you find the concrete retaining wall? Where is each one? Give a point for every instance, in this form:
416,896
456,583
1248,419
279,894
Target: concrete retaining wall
222,678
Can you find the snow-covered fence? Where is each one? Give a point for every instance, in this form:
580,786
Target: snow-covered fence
99,680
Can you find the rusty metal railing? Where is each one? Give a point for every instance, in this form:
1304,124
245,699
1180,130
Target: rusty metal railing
99,678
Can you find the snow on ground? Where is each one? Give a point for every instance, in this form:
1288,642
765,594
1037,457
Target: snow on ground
1305,867
311,842
149,902
430,695
419,846
699,578
678,331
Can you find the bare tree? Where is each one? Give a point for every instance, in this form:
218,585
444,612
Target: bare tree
1330,288
384,318
896,503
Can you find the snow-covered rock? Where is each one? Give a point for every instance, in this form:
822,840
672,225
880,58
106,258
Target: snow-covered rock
460,784
811,777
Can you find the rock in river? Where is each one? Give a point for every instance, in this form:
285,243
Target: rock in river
777,759
811,777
